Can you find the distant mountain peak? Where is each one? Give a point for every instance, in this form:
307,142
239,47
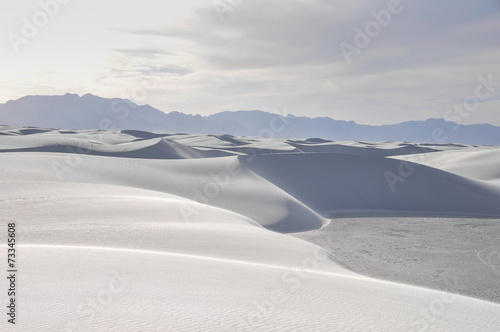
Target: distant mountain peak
70,111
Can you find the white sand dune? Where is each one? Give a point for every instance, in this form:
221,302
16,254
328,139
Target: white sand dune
138,231
336,182
480,164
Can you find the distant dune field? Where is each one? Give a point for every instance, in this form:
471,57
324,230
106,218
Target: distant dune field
138,231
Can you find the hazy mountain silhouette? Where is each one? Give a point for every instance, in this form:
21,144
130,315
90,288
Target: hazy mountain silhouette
91,112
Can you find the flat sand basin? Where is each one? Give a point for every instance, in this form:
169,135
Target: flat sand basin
459,255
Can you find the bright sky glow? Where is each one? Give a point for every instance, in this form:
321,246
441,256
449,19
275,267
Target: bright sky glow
194,57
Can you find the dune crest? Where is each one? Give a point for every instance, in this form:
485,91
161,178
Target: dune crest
190,226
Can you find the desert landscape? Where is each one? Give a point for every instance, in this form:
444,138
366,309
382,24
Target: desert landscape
250,165
140,231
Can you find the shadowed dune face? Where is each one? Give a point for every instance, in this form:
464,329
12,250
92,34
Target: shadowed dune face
341,182
194,223
302,179
142,144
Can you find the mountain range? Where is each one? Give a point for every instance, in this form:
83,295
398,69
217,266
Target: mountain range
71,111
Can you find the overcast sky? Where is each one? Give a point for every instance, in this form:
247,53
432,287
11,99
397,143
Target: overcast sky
203,57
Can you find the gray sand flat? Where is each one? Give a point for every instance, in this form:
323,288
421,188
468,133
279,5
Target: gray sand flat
459,255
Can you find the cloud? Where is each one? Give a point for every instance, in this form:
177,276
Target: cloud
143,52
266,54
260,34
425,59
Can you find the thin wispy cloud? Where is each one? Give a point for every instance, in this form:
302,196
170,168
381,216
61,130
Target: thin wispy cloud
420,60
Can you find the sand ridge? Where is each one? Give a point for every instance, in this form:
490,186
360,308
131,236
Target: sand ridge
116,225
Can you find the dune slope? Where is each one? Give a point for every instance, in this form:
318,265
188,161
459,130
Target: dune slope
141,231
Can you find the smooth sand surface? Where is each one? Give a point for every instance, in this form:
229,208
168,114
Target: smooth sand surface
137,231
459,255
